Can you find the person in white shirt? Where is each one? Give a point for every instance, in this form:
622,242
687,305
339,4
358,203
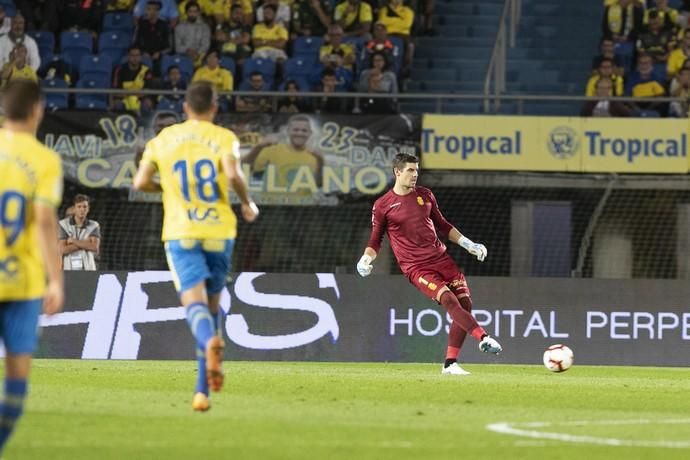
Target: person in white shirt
17,36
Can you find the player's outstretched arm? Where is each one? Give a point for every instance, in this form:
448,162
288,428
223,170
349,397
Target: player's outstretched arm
46,221
143,179
232,170
364,265
476,249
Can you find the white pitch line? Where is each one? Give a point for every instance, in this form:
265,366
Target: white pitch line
511,429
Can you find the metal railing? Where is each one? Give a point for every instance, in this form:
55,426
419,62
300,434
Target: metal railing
439,99
495,81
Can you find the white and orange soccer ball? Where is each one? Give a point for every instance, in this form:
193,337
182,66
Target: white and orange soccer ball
558,358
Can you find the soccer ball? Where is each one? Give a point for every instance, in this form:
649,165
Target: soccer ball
558,358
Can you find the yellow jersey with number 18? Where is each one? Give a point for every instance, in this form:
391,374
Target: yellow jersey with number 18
196,198
30,173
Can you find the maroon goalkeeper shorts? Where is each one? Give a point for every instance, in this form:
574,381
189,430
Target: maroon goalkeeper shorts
430,278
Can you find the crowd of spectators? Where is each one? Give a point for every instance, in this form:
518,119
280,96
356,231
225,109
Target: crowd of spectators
327,46
644,53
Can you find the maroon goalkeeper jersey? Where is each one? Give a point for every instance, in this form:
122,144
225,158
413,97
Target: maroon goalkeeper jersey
409,223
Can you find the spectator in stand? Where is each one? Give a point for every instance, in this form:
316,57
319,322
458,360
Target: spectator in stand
55,68
17,66
219,77
378,79
622,21
603,107
381,44
212,72
5,21
282,12
254,103
293,102
398,20
168,11
130,75
269,38
173,82
81,15
79,238
607,50
119,5
17,36
153,33
605,70
326,103
668,15
355,17
233,38
645,82
215,10
336,54
678,56
193,36
655,40
681,89
425,9
310,18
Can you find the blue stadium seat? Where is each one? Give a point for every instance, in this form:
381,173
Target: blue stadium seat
267,68
56,101
398,51
307,47
10,9
121,20
228,63
114,44
93,101
44,40
299,68
76,40
184,63
95,67
170,104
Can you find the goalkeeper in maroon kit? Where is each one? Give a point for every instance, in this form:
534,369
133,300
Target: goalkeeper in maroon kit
408,213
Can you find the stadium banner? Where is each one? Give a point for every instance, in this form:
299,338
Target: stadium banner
327,317
289,159
564,144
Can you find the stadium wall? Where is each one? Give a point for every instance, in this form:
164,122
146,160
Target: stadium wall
331,317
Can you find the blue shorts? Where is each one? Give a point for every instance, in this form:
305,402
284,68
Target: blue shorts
194,261
19,325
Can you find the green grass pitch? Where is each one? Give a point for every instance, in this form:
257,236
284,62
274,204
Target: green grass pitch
141,410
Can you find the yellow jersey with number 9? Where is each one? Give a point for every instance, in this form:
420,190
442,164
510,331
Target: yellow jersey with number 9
196,198
30,173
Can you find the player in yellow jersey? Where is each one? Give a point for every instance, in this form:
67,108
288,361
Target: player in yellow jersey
30,191
197,162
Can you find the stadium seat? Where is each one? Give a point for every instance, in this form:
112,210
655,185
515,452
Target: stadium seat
398,49
228,63
114,44
45,41
266,66
307,47
95,68
10,8
121,20
93,101
170,104
76,40
184,63
56,101
299,68
74,46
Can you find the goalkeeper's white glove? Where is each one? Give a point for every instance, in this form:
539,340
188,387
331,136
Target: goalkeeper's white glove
364,266
476,249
